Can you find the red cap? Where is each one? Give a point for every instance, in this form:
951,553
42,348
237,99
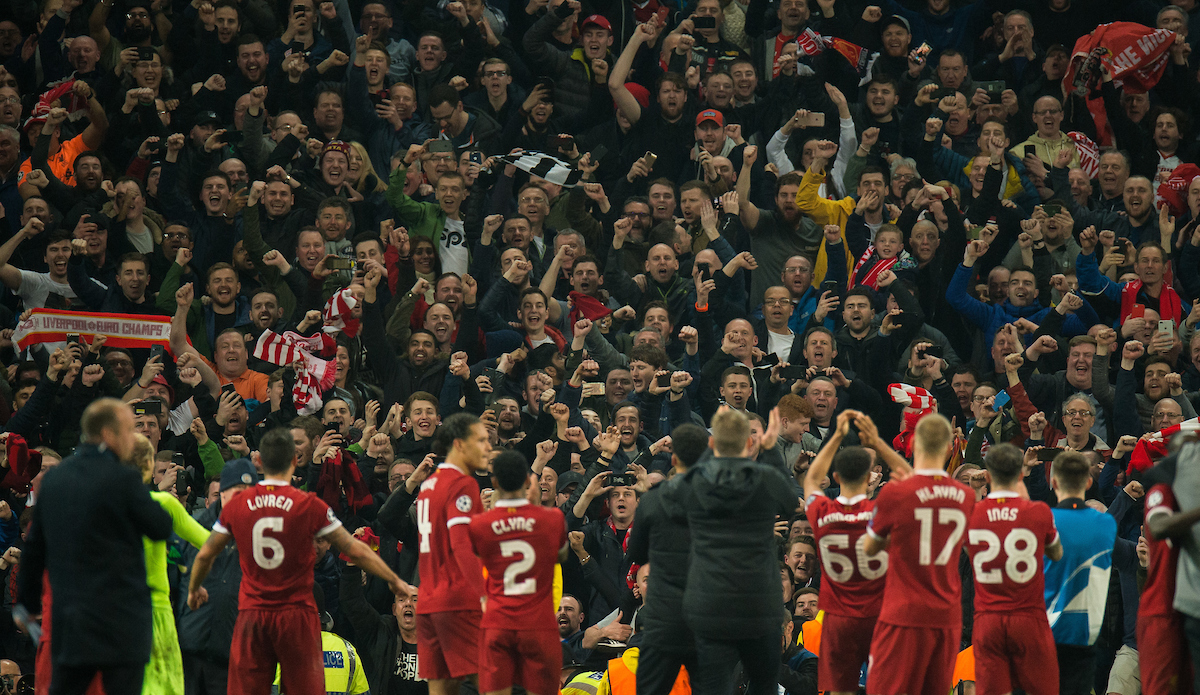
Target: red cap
160,379
640,93
598,20
710,115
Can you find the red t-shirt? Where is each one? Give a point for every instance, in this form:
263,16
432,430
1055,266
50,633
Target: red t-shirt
1158,595
926,519
274,525
1007,542
852,583
448,498
518,543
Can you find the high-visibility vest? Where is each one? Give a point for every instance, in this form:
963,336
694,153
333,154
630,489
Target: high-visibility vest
621,678
964,667
809,635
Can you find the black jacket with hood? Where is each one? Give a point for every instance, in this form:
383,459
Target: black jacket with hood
733,578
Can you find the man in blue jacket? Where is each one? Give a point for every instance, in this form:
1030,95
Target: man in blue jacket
1021,303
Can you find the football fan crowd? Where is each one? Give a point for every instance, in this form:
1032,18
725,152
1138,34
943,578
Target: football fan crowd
610,347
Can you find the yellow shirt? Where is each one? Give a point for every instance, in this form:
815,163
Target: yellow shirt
343,669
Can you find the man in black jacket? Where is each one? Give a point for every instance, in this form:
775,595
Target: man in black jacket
660,537
92,507
731,602
205,634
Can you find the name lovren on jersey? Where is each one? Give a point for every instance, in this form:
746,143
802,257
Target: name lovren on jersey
941,492
835,517
270,501
512,523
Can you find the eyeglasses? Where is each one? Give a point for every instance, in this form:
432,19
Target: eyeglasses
979,399
797,269
496,73
1047,112
903,177
137,15
531,199
1078,413
176,235
10,100
777,302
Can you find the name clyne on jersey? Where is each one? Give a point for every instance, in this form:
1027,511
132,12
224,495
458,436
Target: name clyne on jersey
941,492
512,523
270,501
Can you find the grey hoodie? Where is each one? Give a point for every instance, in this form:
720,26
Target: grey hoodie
733,578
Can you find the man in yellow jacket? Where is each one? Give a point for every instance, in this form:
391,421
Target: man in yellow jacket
870,194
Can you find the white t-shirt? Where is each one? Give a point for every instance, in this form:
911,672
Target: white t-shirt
543,341
454,255
781,344
142,241
36,287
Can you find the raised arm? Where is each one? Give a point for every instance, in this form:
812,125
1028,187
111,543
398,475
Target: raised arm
10,275
628,105
748,211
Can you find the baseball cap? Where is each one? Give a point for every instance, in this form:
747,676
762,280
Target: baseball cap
160,379
238,472
568,479
710,115
897,20
598,20
206,118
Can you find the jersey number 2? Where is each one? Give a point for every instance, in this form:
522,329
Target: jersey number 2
260,543
512,587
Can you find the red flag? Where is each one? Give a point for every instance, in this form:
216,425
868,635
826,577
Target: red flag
857,55
1135,56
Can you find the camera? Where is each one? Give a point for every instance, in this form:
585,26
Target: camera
622,479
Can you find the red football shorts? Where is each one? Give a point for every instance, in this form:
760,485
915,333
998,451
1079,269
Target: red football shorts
290,637
529,658
448,644
911,660
845,647
1163,657
1012,651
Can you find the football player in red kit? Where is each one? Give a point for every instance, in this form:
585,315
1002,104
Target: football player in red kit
1008,536
274,525
1165,662
519,544
452,599
923,520
853,594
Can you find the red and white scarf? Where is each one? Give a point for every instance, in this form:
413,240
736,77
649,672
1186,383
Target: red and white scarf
917,404
871,279
1153,446
337,314
1169,305
630,578
314,376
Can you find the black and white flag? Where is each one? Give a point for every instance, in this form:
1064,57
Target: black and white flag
545,166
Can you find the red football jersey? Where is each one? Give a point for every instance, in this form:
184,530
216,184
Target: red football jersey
1158,595
448,498
274,525
1007,542
855,581
925,518
518,543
